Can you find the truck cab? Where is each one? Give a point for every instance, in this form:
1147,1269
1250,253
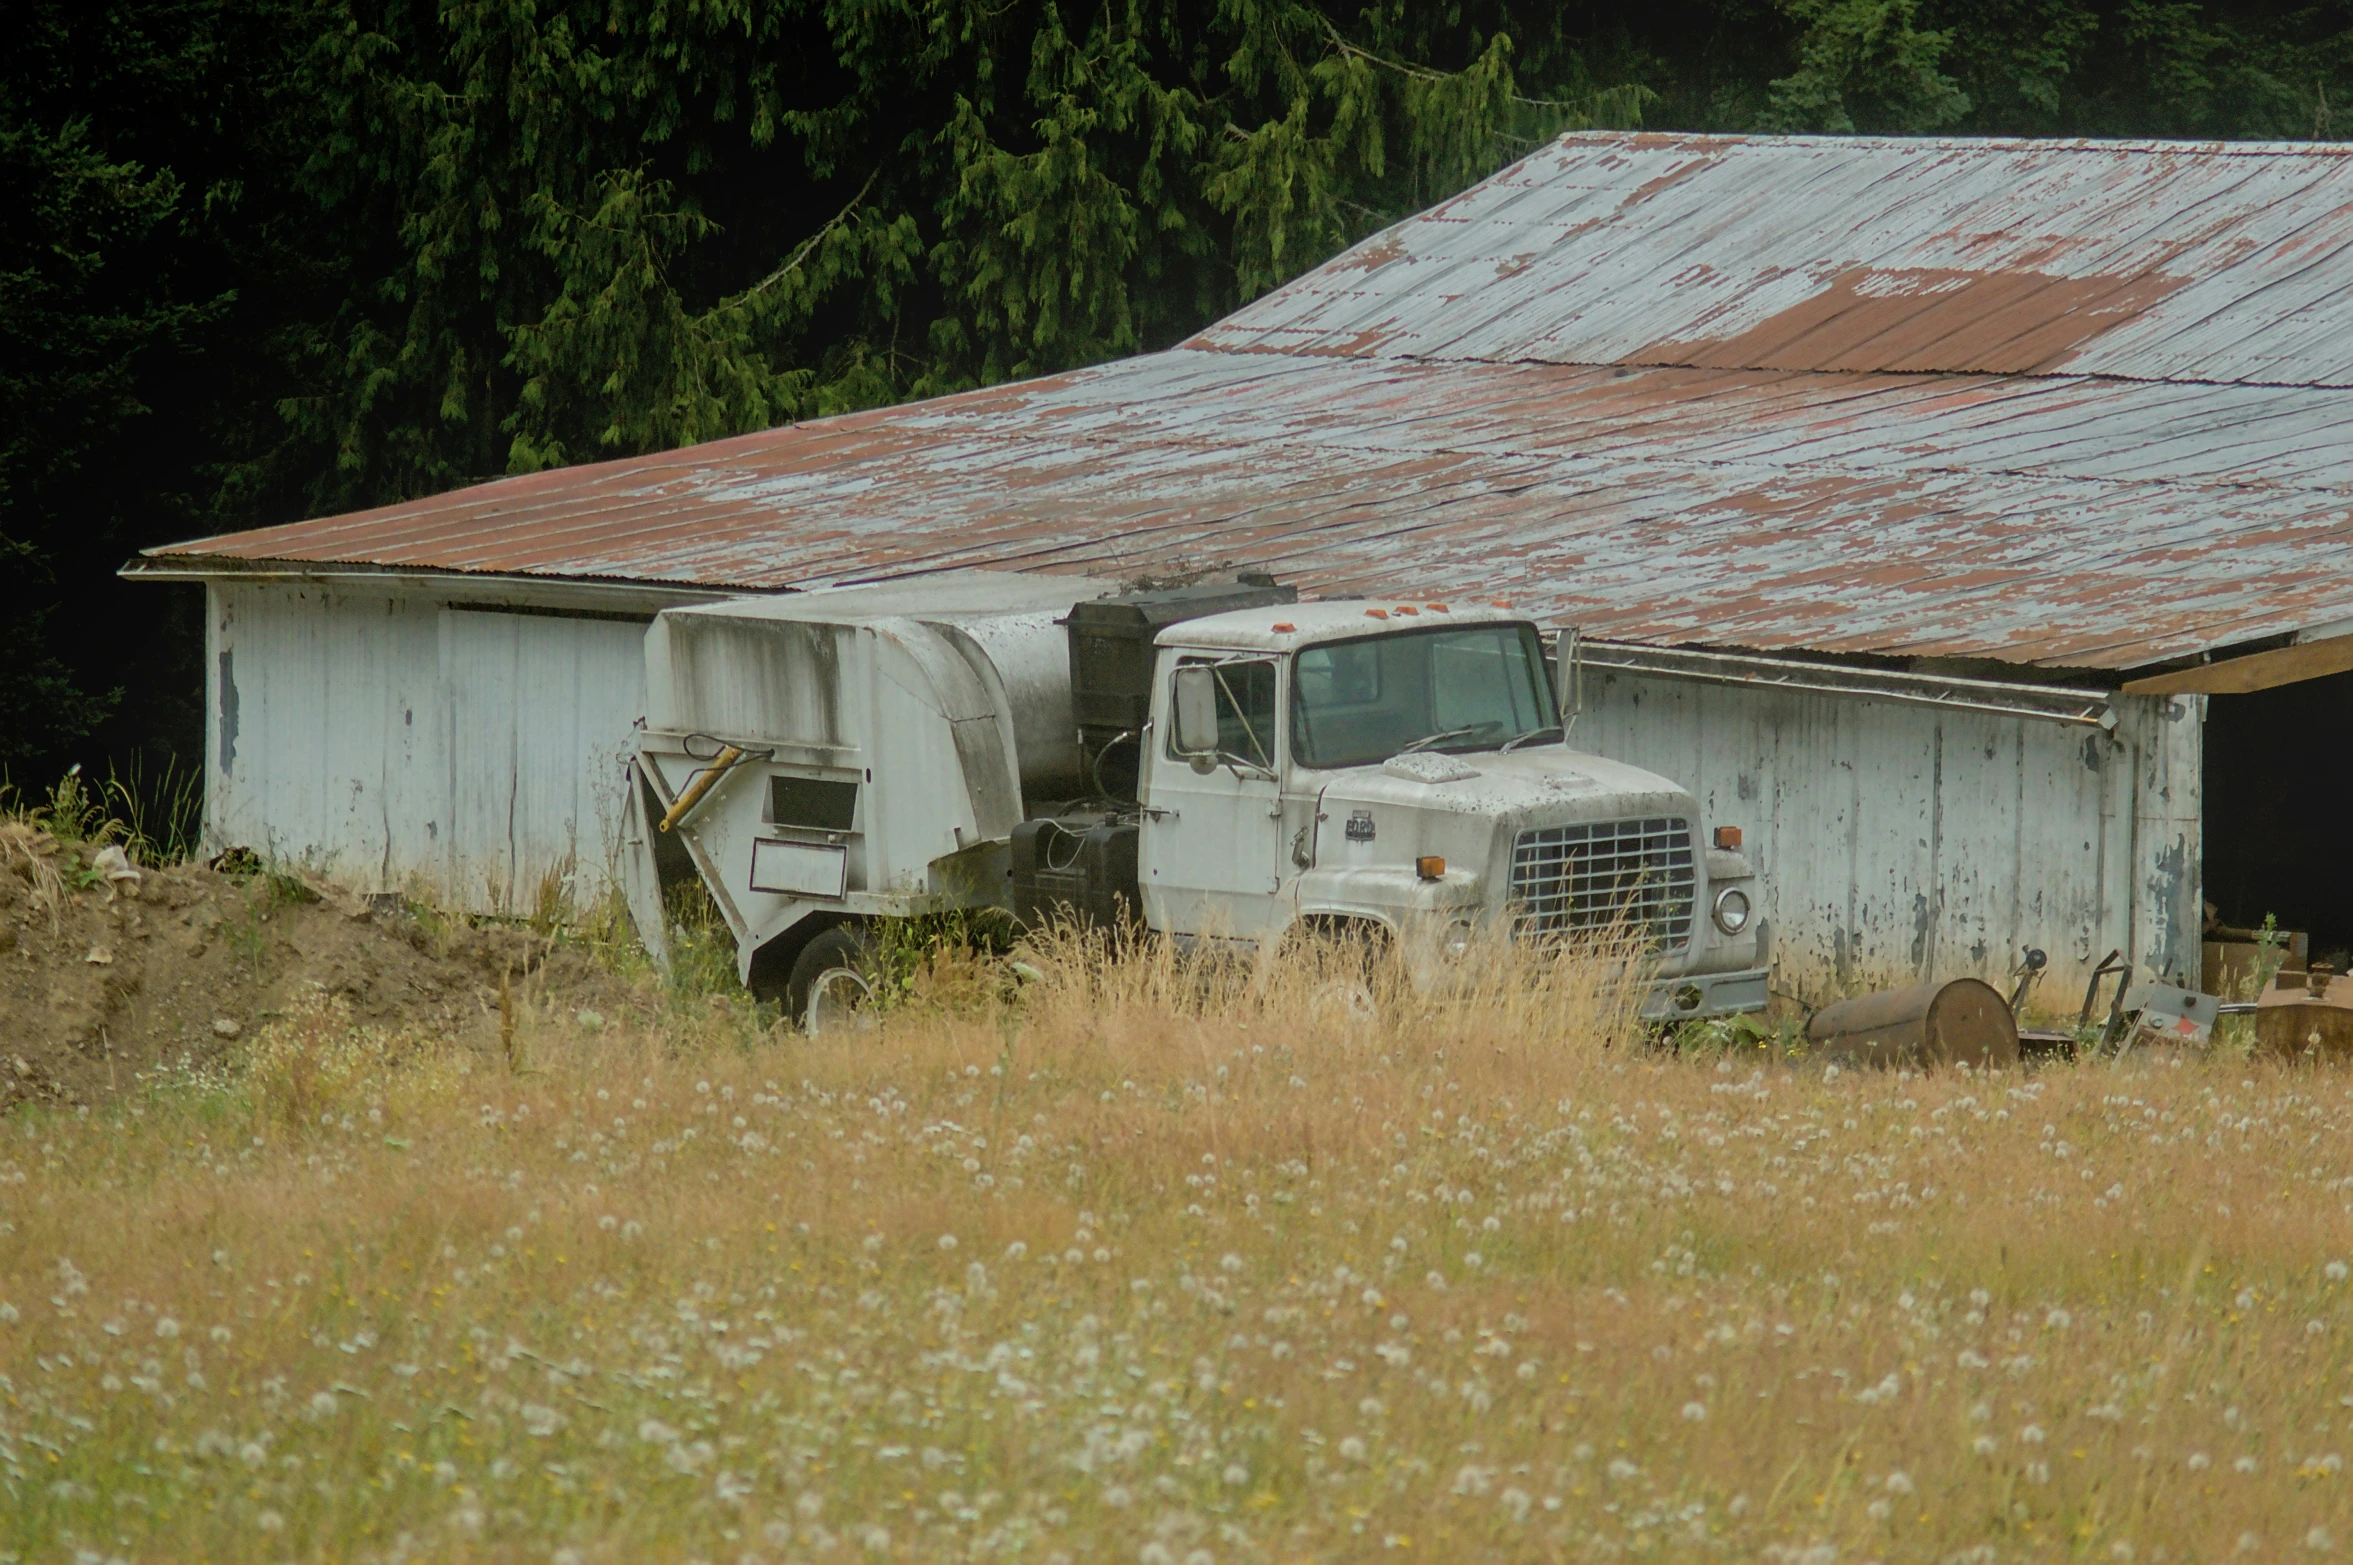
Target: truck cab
1407,766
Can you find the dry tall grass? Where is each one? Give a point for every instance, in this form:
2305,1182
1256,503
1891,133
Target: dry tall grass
1142,1264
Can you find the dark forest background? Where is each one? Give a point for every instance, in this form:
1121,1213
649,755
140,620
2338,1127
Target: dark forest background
265,259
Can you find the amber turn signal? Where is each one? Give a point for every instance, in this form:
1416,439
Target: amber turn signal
1728,838
1430,866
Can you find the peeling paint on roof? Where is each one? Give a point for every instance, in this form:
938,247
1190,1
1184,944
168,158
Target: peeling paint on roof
2070,405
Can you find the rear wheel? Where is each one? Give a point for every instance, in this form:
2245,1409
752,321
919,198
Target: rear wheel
831,989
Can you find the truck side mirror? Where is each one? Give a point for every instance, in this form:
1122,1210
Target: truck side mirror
1196,711
1568,672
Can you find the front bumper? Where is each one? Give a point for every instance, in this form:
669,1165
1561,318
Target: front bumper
1703,995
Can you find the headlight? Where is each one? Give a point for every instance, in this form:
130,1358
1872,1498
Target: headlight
1732,910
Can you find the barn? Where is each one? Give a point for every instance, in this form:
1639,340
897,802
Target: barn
1967,520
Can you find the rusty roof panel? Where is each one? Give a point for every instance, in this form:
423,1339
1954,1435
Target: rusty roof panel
1909,398
2156,261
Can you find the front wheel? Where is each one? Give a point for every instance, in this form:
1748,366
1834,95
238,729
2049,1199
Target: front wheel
831,990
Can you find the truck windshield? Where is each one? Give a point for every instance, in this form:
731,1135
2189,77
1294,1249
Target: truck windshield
1477,688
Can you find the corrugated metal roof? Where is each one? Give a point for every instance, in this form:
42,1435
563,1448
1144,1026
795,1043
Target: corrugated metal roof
2075,405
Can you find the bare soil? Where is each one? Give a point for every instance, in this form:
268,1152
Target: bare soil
102,983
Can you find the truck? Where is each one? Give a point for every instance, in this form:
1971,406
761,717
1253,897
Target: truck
1218,762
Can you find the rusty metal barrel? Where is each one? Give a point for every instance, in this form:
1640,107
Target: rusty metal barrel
1962,1022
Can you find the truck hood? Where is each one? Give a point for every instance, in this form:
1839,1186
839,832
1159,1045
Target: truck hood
1540,785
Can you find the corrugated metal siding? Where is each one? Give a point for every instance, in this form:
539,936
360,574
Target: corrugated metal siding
396,743
1920,398
1897,843
541,712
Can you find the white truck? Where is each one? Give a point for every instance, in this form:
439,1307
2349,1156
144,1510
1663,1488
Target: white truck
1218,762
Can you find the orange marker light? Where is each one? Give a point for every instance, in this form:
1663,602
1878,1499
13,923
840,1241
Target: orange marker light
1376,613
1728,838
1437,608
1500,603
1285,626
1430,866
1406,609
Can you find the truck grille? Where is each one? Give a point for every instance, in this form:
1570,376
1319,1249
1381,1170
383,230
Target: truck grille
1633,874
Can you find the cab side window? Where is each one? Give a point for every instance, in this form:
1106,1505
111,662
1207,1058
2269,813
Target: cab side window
1245,709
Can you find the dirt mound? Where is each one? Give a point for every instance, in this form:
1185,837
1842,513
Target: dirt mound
104,978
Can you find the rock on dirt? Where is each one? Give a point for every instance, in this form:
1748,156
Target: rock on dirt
106,977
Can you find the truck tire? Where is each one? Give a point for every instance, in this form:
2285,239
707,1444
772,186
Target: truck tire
832,983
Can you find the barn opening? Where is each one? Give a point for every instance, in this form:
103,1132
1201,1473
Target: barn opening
2277,766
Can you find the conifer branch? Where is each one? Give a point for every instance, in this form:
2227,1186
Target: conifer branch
801,251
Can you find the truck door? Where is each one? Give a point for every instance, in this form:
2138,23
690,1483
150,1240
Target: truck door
1210,859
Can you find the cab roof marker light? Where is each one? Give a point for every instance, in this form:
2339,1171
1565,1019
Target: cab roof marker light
1376,613
1435,608
1284,627
1406,609
1499,603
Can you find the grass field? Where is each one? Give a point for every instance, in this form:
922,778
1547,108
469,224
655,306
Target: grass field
1125,1267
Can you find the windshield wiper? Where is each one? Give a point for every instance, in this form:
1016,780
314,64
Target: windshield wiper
1554,730
1441,736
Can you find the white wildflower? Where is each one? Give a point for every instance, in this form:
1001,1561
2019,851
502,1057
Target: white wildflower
1695,1412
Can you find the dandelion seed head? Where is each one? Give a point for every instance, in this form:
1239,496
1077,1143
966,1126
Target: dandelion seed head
270,1521
1695,1412
947,1241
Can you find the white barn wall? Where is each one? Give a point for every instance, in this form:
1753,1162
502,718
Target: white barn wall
1898,842
398,742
